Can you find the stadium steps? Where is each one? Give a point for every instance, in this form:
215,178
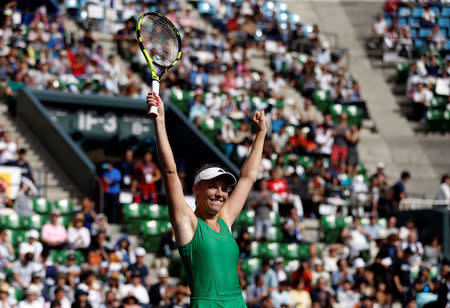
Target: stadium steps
394,142
50,179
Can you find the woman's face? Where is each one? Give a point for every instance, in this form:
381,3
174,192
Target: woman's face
212,194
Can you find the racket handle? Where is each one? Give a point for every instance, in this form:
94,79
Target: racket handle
153,113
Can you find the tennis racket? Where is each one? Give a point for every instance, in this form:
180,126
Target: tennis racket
160,43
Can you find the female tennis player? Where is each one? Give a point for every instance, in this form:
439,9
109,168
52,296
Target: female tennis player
206,245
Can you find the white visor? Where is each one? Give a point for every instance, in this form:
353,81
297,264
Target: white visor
215,172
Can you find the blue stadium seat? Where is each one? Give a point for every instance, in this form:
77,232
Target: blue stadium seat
206,8
414,33
447,44
444,22
404,12
445,11
435,9
417,12
283,17
281,6
420,44
424,32
414,22
444,32
294,18
402,21
388,21
71,4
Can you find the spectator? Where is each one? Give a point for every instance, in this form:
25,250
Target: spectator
92,287
444,189
324,139
81,300
372,230
78,236
124,250
415,246
294,227
60,298
23,205
125,166
100,225
137,288
280,296
22,271
320,295
32,298
261,201
330,261
270,277
354,236
402,274
279,269
341,134
318,272
6,251
379,29
257,291
89,214
316,188
399,188
6,300
159,293
281,194
342,275
8,149
139,266
53,235
310,115
112,178
422,98
300,298
61,284
147,175
428,17
33,245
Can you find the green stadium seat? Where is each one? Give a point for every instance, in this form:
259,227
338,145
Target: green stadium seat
132,210
65,206
60,256
257,102
402,72
13,222
438,102
331,228
36,221
446,127
41,206
435,120
275,219
290,130
265,250
303,251
361,169
152,232
176,97
305,161
290,251
335,111
16,237
17,293
257,249
246,218
291,265
210,127
322,99
155,211
249,266
354,115
275,234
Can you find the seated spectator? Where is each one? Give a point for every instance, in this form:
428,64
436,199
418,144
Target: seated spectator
257,291
261,201
139,266
6,300
300,298
391,39
6,251
159,292
78,236
60,298
281,194
53,235
54,292
280,296
415,246
330,261
316,188
81,299
125,36
379,29
198,111
294,227
33,245
32,298
124,250
373,229
320,295
138,289
23,205
428,17
348,297
436,38
354,236
279,269
92,287
342,275
402,276
8,149
391,7
310,115
100,225
89,214
23,270
319,272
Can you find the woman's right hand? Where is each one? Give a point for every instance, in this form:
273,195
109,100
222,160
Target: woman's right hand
153,99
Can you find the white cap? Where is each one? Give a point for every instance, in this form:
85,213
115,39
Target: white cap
33,289
140,252
359,263
386,261
163,272
318,262
214,172
33,234
381,165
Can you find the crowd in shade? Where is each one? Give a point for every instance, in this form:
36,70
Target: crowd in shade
310,169
416,34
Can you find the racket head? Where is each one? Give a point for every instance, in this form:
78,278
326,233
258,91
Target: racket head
159,41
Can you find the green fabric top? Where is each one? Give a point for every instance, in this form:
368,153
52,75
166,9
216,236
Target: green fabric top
211,261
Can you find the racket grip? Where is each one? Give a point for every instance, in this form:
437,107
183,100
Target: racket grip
153,113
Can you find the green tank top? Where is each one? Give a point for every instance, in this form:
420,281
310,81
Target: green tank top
211,261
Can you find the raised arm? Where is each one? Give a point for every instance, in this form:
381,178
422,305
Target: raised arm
249,173
181,216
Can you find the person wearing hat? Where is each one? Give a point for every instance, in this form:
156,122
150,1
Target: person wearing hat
71,270
159,291
207,247
32,298
318,272
78,236
137,288
81,299
33,245
53,235
6,300
139,265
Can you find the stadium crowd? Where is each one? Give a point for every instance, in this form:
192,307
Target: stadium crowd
310,161
417,36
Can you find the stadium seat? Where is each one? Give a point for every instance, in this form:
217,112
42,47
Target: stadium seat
447,44
424,32
65,206
435,120
290,251
404,12
16,237
60,256
152,232
354,115
305,161
155,212
414,22
444,22
41,206
445,11
402,22
418,11
17,293
265,250
275,234
420,44
13,222
132,210
402,72
336,111
438,102
246,218
36,221
447,120
249,266
210,127
205,8
322,99
275,219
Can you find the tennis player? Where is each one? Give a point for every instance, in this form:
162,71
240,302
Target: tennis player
206,245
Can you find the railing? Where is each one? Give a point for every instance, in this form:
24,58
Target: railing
409,204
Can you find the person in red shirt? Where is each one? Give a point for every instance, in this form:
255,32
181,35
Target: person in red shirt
147,174
391,7
280,188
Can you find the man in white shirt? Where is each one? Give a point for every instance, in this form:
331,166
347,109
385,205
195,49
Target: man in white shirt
325,139
8,148
33,245
379,26
135,286
422,98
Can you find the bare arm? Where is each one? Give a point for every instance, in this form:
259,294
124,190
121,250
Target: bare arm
181,216
249,173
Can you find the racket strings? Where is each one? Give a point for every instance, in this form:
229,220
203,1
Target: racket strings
160,41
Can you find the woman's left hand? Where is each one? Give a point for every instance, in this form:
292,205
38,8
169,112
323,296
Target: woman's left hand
259,120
